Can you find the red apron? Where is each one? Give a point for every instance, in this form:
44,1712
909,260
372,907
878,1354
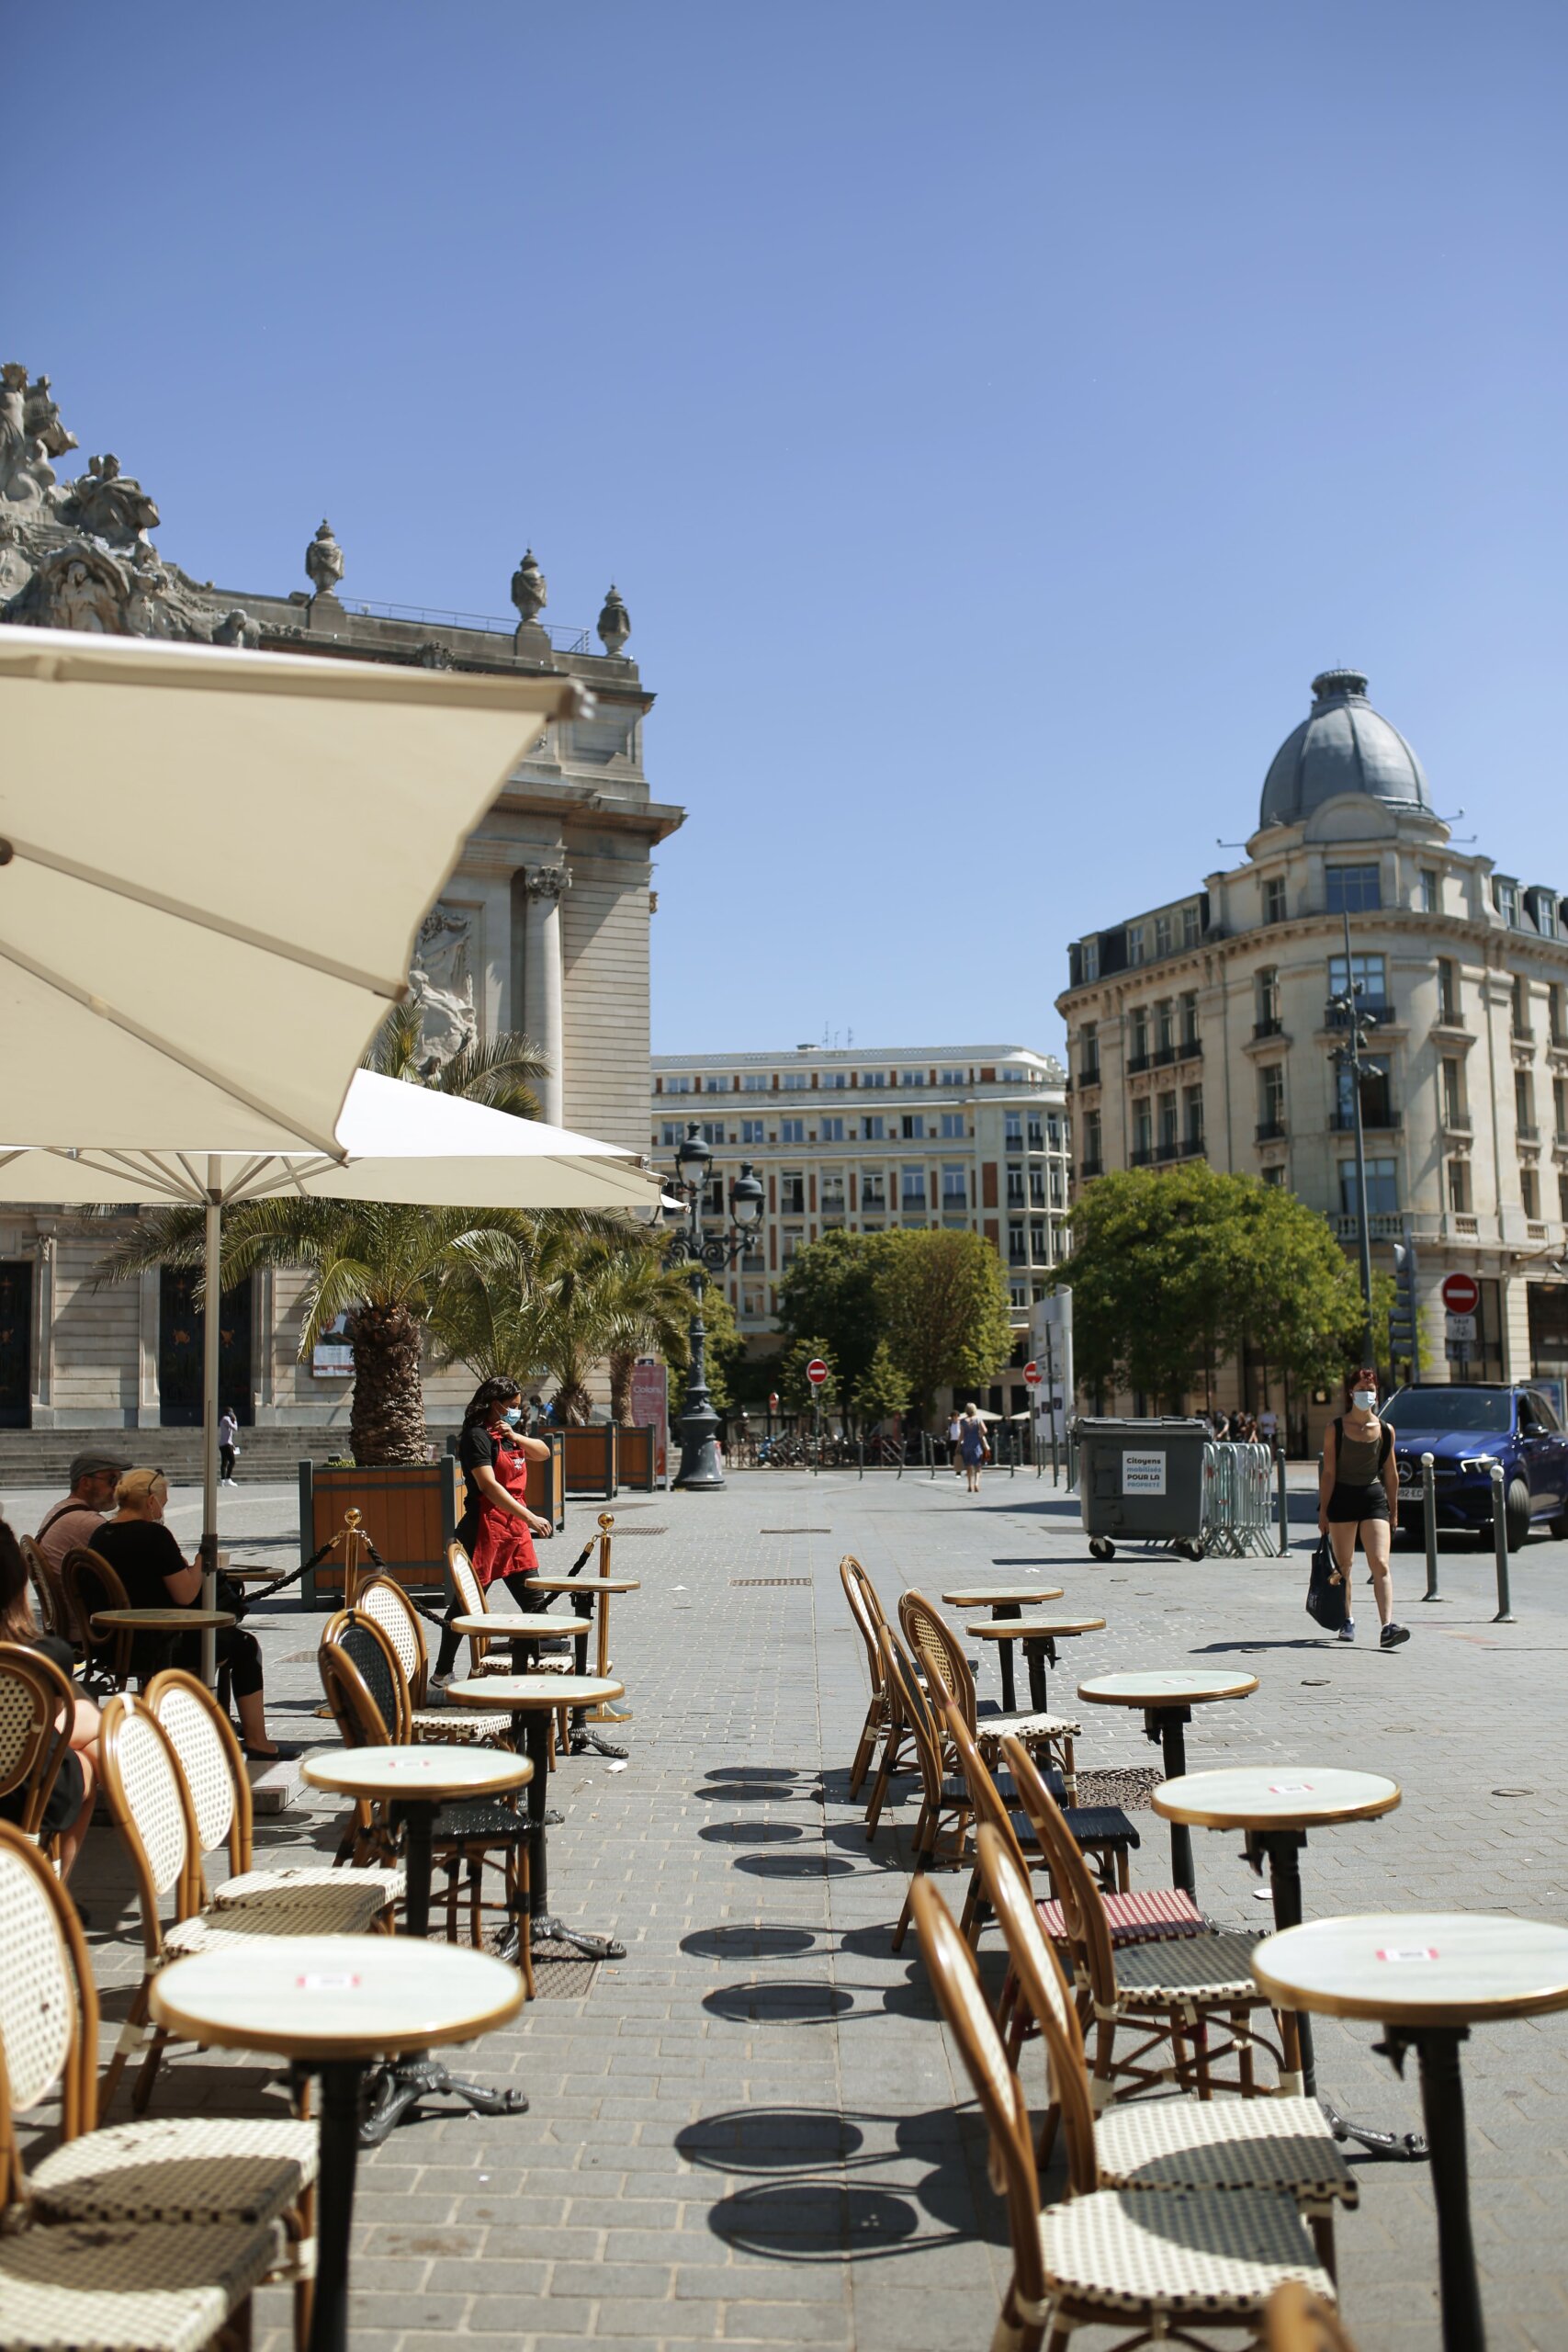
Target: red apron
504,1546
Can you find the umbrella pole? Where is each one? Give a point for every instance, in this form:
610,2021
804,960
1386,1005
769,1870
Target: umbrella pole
211,1336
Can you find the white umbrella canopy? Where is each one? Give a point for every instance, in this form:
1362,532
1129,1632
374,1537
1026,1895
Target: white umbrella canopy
213,866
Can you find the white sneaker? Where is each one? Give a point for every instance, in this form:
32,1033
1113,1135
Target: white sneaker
1348,1631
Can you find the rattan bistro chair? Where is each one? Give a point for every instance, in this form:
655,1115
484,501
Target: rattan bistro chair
1169,1995
1102,1830
48,1593
869,1617
37,1703
385,1604
90,1585
1297,2322
939,1650
178,2204
1164,2266
1164,2143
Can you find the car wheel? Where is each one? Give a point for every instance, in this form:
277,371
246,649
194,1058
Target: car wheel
1560,1525
1517,1513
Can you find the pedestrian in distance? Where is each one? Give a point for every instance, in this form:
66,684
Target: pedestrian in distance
955,1438
974,1447
1358,1494
228,1444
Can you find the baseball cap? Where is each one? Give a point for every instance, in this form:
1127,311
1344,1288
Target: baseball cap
94,1458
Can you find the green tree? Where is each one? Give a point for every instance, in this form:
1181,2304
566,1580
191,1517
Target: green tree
942,1306
882,1389
499,1071
793,1387
829,1293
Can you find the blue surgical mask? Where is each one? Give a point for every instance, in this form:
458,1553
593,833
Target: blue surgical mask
512,1415
1365,1400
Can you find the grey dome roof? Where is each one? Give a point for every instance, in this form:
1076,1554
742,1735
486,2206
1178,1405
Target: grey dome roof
1341,746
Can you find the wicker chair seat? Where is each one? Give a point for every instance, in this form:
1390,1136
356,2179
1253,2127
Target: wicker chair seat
196,2168
991,1730
122,2287
238,1894
458,1727
292,1911
1120,2250
479,1820
1279,2144
1143,1916
1211,1968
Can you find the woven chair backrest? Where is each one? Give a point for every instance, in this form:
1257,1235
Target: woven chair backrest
1083,1911
1296,2322
961,1998
49,1595
914,1709
48,2009
150,1801
938,1648
470,1594
91,1585
372,1690
387,1605
31,1693
866,1612
984,1794
202,1736
1038,1973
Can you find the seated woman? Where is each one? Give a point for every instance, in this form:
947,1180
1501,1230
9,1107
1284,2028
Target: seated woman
156,1572
70,1806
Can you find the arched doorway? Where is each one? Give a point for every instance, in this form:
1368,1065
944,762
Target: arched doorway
181,1339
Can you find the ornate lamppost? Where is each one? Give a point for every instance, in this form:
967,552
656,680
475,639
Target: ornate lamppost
704,1254
1346,1013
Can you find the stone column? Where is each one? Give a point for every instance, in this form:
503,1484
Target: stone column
542,984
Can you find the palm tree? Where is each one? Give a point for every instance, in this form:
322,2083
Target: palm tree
585,1296
498,1071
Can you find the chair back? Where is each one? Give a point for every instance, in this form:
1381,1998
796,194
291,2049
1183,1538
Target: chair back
867,1611
1038,1975
34,1737
470,1593
48,1593
939,1650
90,1585
203,1739
151,1808
961,1998
363,1681
49,2004
1297,2322
1083,1909
914,1707
385,1603
985,1797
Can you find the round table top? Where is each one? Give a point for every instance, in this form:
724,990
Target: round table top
1180,1686
1031,1629
518,1693
164,1620
1415,1968
425,1772
336,1996
988,1596
586,1584
515,1628
1275,1796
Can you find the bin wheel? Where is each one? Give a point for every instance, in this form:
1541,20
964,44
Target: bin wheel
1191,1551
1100,1547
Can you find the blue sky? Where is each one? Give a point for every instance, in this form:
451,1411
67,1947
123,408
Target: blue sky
992,415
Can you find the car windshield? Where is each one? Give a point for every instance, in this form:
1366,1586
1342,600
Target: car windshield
1485,1411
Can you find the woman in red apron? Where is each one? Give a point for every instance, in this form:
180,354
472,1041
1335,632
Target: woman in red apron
497,1529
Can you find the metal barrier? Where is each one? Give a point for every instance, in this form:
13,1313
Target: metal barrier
1238,1500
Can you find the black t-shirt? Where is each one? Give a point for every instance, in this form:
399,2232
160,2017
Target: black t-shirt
142,1554
476,1450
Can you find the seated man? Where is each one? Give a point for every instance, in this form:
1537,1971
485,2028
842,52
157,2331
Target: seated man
94,1475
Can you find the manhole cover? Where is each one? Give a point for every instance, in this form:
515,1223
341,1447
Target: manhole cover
737,1584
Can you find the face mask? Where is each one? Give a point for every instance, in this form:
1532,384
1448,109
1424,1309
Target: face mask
1365,1400
512,1415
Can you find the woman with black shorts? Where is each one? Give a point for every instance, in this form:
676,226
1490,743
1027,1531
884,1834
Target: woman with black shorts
1358,1494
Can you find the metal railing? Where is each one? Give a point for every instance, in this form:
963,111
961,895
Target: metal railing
564,640
1240,1511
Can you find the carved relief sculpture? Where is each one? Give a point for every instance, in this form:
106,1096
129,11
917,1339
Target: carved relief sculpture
442,986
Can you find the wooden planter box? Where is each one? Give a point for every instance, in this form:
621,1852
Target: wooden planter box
409,1513
637,1458
589,1460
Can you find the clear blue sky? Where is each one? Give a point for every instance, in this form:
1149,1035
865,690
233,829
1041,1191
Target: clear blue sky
992,415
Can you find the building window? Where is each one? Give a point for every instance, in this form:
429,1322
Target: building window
833,1194
1459,1186
1269,1024
1012,1130
1453,1094
1143,1135
1134,942
1562,1196
872,1077
1554,1006
912,1126
1383,1187
1431,890
1037,1186
953,1126
1037,1248
1054,1130
1018,1293
673,1132
1092,1163
1447,992
912,1191
1036,1132
712,1130
1524,1106
1275,1177
1193,1106
795,1082
1089,1054
872,1192
831,1131
1272,1099
753,1131
1506,898
835,1081
1519,1007
1016,1253
874,1129
954,1188
911,1077
755,1081
1190,1017
790,1245
1139,1037
1015,1188
1352,889
1530,1192
677,1086
716,1086
1368,973
1274,899
1559,1109
792,1193
1162,936
1376,1098
1191,926
1166,1124
1165,1026
792,1131
1089,955
955,1078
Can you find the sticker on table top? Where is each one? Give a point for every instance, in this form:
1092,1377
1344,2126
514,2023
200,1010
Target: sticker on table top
1290,1788
1142,1474
341,1981
1400,1954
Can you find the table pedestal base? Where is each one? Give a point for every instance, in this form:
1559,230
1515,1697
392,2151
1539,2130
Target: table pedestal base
1166,1726
586,1741
544,1927
1442,2111
397,2089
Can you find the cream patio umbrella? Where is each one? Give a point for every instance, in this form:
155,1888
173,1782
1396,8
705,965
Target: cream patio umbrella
202,852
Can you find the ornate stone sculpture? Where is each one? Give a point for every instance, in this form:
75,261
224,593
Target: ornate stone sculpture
323,562
109,505
615,623
547,881
529,591
43,421
442,986
26,478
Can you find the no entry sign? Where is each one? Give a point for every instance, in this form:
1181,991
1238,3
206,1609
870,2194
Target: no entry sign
1461,1293
816,1372
1032,1375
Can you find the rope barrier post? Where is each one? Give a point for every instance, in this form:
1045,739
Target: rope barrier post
1500,1549
1429,1524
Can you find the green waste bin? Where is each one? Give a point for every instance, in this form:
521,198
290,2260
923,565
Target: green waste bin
1142,1480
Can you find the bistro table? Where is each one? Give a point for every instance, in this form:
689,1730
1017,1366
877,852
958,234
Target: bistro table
1426,1977
531,1699
524,1634
1003,1601
335,2004
583,1736
416,1782
1167,1700
170,1622
1038,1636
1275,1805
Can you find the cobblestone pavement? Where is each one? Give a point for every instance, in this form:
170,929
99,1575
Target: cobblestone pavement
752,2131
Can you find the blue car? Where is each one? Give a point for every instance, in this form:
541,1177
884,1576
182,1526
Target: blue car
1465,1429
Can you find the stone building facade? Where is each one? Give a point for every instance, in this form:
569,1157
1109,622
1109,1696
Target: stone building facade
1202,1028
544,927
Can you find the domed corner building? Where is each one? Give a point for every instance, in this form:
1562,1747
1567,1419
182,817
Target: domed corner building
1202,1029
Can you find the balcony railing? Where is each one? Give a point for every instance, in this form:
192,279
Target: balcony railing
1272,1027
1527,1134
1090,1168
1382,1224
1377,1008
1270,1131
1144,1156
1378,1120
1136,1062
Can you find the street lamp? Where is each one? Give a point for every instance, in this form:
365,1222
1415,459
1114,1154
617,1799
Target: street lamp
704,1254
1344,1012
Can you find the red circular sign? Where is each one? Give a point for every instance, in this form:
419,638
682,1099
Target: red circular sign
774,1401
1032,1375
1461,1293
816,1372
